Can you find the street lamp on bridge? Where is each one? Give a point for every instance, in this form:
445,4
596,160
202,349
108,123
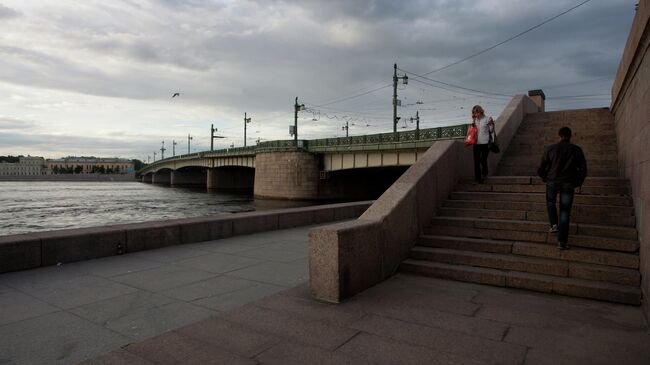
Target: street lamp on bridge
397,102
174,148
296,108
417,124
246,121
189,138
212,136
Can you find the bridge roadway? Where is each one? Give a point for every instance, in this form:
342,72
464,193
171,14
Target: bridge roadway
356,167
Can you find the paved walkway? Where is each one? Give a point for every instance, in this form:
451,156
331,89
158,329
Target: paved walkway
186,305
69,313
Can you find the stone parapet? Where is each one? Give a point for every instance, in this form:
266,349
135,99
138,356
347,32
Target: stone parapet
631,107
27,251
345,259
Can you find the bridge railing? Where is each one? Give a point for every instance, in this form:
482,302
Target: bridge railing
429,134
456,131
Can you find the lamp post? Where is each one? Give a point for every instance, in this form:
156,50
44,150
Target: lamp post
296,108
212,136
174,148
417,124
162,151
154,157
405,81
246,121
346,128
189,138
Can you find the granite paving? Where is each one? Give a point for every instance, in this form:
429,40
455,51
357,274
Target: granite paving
239,301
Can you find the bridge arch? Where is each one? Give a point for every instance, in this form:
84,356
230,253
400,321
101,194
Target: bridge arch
231,178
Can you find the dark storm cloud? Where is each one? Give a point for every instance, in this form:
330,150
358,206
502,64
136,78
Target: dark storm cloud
6,13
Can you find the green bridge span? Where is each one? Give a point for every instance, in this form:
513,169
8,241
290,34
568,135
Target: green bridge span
328,168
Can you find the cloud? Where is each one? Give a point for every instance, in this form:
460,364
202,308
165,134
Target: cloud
7,13
114,65
7,123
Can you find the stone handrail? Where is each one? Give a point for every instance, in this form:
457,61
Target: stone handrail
347,258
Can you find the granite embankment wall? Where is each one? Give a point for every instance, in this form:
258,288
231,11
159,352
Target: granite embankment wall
631,109
73,177
26,251
349,257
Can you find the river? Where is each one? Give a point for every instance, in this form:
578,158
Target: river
33,206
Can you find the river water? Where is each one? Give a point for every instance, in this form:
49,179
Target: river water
32,206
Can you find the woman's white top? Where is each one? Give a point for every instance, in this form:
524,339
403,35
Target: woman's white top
483,130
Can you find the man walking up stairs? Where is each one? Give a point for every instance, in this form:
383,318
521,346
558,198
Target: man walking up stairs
498,233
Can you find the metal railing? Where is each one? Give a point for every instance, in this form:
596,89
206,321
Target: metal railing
422,135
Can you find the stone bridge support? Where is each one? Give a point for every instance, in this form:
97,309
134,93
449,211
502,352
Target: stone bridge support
147,178
231,178
287,175
162,177
188,178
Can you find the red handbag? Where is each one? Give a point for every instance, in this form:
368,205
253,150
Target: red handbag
472,135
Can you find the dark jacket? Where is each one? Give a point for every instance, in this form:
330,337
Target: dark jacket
563,162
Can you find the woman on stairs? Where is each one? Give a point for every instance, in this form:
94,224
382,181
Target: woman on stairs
484,126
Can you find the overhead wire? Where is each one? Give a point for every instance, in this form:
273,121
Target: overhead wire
507,40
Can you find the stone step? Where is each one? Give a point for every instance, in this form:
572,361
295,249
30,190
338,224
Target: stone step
539,188
518,162
521,171
579,209
537,149
514,279
584,130
535,180
547,266
491,260
535,144
600,243
624,201
625,233
540,250
533,215
534,156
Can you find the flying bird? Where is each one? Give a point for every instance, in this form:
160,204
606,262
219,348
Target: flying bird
176,94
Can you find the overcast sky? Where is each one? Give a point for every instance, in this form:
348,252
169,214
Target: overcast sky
97,77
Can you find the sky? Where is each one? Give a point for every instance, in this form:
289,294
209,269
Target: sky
96,78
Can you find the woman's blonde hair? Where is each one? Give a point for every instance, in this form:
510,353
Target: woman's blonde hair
478,109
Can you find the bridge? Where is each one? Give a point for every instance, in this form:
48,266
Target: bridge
355,167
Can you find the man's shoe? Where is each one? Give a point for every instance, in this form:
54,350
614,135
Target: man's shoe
562,246
553,229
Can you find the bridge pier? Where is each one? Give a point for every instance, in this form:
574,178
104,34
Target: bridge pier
147,178
231,178
287,175
161,177
188,178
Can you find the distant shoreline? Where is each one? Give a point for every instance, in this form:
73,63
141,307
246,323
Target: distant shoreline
74,177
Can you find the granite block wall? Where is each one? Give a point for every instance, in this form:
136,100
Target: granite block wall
631,109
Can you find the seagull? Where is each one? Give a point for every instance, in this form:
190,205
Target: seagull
176,94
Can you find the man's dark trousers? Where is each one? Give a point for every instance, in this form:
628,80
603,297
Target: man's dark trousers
566,192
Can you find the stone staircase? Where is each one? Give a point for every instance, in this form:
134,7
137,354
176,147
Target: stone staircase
497,233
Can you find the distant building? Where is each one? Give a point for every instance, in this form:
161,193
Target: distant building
26,166
89,165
